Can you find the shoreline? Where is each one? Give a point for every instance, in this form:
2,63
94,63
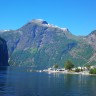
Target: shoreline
68,72
62,72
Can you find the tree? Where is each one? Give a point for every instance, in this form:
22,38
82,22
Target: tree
77,70
69,65
92,71
56,66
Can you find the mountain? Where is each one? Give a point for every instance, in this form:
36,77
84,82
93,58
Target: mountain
39,43
3,53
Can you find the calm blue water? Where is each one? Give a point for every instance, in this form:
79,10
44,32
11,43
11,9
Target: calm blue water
16,81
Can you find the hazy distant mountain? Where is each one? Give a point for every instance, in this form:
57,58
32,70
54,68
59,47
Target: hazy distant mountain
41,44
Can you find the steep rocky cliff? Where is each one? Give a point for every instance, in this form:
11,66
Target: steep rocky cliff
3,53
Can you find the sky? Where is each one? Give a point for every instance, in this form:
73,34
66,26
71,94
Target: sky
79,16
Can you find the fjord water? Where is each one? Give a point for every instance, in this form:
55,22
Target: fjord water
19,81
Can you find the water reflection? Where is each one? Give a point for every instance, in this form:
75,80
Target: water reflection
3,73
19,82
75,85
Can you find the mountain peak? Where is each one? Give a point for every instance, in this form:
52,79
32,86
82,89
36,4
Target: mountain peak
40,21
93,32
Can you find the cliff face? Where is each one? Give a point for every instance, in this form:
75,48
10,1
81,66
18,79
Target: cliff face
3,53
41,44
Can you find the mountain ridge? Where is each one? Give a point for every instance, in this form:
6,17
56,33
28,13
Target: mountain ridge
39,21
38,43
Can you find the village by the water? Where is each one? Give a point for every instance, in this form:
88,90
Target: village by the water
69,68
